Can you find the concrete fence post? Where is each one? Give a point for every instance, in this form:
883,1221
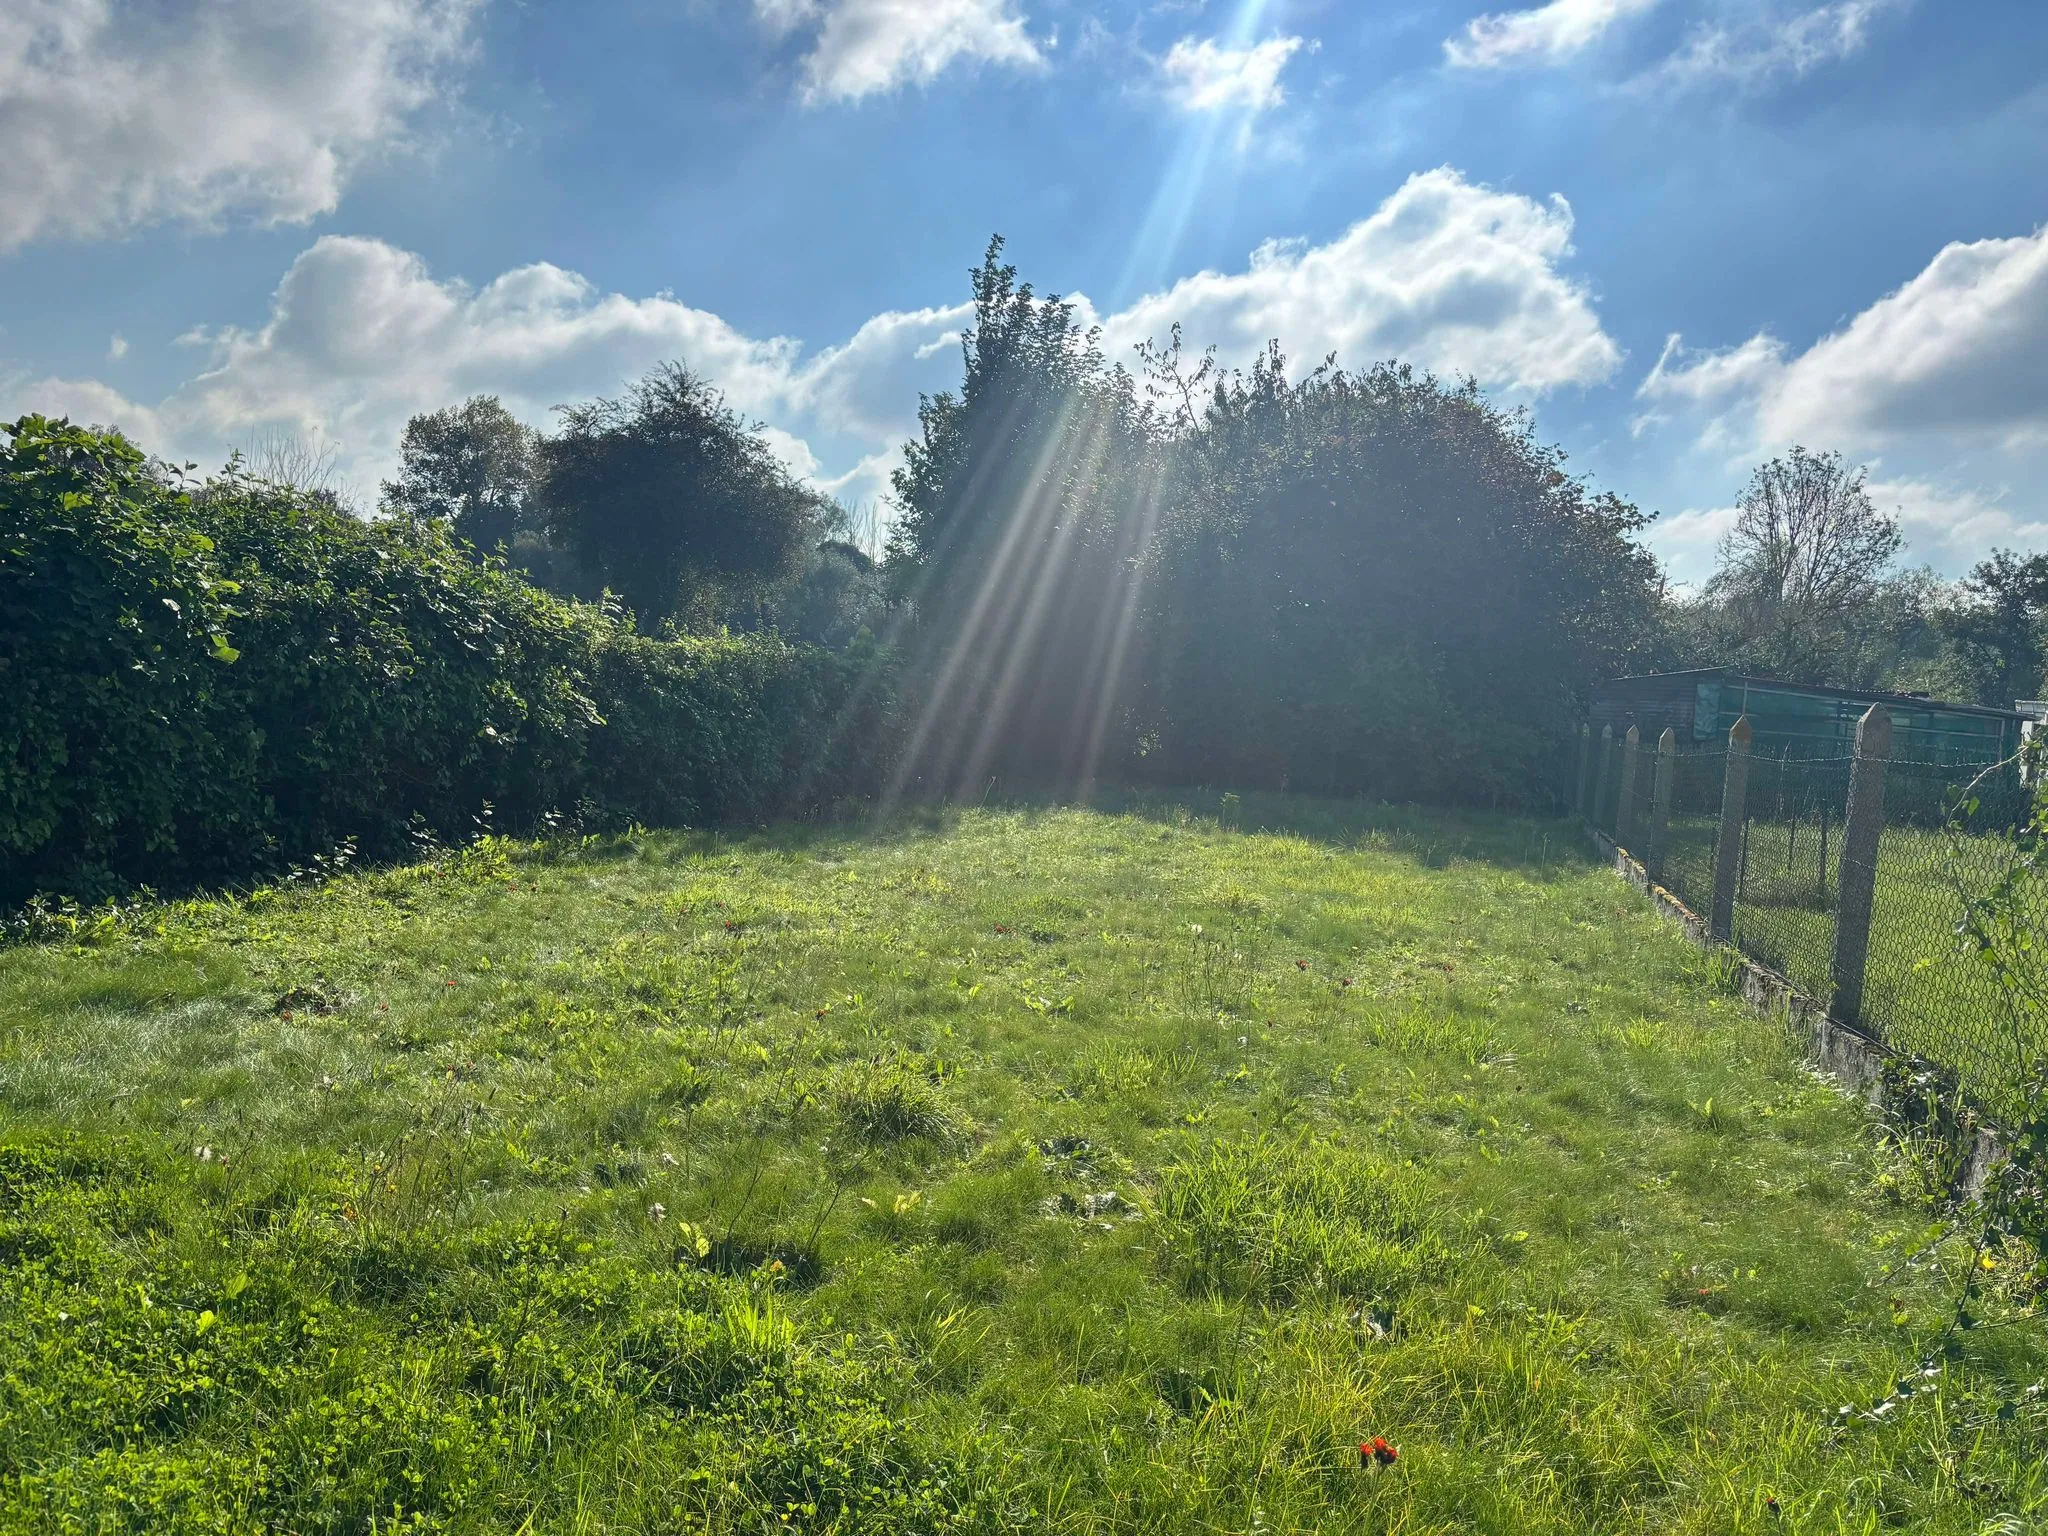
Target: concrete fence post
1601,776
1663,787
1584,804
1625,812
1728,842
1860,836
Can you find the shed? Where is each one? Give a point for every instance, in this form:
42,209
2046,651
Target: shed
1801,720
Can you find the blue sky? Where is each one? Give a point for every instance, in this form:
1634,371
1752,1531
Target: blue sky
1685,233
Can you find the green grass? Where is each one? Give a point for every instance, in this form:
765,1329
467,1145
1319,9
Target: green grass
1923,990
1047,1170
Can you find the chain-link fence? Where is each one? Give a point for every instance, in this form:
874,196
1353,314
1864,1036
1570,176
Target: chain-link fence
1947,837
1788,873
1610,754
1685,860
1947,840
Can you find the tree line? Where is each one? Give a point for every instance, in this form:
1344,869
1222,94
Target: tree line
1351,582
1808,586
1359,582
664,498
209,680
1369,582
674,503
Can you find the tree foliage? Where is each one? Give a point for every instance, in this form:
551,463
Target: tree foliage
113,654
1998,628
1354,582
1805,589
1379,583
1024,511
470,466
1802,571
215,680
671,495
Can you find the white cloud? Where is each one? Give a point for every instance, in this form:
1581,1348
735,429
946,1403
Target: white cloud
1696,376
117,347
1703,385
861,48
119,116
1686,541
1942,385
1963,347
86,400
1206,77
1547,35
1791,46
1446,274
1955,525
1959,352
361,335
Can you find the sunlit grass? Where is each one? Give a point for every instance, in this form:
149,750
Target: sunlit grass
1924,992
1041,1169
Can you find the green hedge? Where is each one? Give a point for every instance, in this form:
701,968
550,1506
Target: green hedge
205,683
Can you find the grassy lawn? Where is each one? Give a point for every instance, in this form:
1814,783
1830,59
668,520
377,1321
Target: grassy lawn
1922,992
1033,1170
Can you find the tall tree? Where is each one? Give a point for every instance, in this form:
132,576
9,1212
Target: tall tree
469,465
1361,583
2000,629
1804,561
1024,508
670,495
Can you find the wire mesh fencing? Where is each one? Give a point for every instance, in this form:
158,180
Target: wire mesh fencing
1950,834
1685,856
1610,753
1950,838
1788,873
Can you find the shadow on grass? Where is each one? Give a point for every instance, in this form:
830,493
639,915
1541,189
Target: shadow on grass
1434,837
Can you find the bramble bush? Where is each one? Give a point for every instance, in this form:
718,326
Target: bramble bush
211,681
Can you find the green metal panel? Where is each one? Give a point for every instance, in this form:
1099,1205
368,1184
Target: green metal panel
1803,723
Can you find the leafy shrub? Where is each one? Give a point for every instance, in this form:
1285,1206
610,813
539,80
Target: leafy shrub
112,612
216,681
735,727
1366,583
